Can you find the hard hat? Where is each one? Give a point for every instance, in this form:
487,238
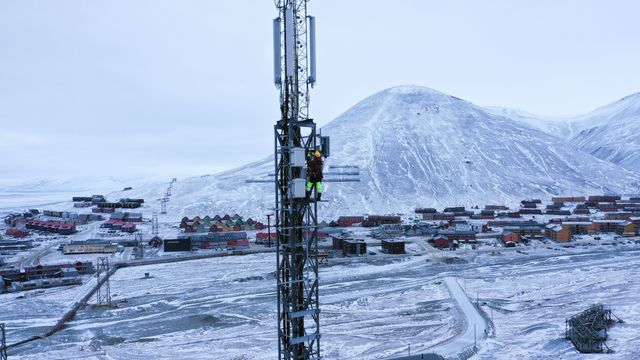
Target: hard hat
317,154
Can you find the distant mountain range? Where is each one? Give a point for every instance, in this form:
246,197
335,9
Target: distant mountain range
415,146
610,133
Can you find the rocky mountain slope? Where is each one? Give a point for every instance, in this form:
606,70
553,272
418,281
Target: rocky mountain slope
416,146
611,132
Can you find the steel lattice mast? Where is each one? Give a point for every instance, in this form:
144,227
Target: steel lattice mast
3,343
296,217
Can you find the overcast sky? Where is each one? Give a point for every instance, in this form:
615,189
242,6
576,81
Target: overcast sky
184,87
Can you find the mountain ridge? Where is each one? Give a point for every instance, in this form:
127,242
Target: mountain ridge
417,146
611,132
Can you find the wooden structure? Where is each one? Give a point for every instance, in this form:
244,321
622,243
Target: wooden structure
588,330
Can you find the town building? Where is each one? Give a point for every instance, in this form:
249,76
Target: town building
510,237
92,246
441,242
557,233
578,227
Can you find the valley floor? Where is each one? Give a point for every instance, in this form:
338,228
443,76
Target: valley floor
372,308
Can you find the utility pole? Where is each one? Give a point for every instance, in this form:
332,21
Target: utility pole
163,205
139,254
295,216
103,295
3,343
154,223
269,215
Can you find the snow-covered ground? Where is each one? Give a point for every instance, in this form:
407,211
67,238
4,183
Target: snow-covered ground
476,327
372,307
529,300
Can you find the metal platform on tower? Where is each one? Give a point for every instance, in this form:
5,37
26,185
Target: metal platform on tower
336,174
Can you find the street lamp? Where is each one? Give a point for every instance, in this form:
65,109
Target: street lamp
269,215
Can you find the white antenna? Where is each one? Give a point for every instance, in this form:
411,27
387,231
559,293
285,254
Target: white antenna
312,50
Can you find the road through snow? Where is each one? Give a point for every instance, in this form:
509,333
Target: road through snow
466,340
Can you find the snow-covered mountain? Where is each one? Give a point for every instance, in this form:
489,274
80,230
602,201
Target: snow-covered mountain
611,132
559,127
418,147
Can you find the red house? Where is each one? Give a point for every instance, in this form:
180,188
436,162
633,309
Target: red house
510,236
265,236
441,242
20,234
347,221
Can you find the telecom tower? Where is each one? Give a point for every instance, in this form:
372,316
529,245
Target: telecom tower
103,294
3,343
295,216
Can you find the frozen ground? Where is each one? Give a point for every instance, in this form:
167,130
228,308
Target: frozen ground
18,201
372,308
476,327
530,298
40,193
229,310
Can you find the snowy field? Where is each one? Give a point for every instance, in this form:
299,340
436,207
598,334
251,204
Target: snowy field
18,201
226,307
372,308
531,297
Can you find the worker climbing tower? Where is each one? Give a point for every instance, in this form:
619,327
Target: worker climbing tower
295,216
